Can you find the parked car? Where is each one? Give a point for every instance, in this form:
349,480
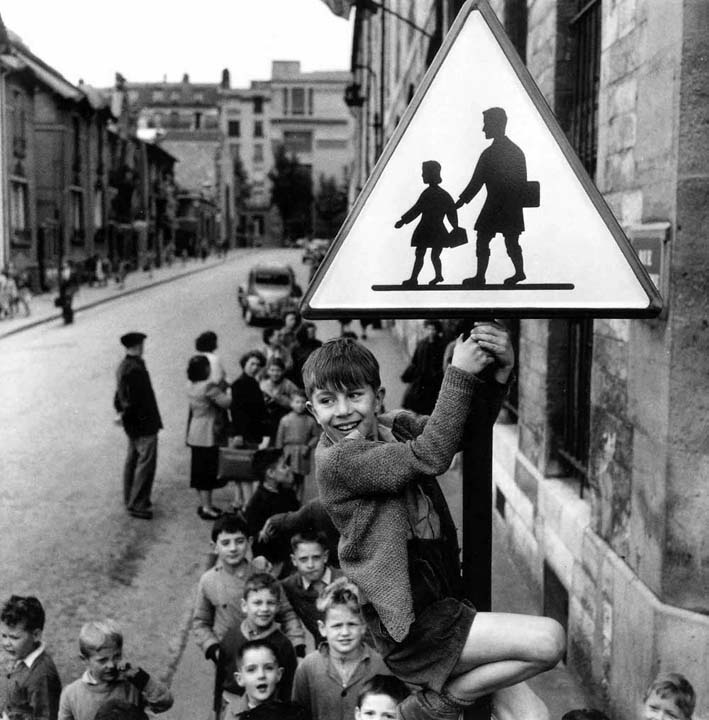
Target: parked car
269,292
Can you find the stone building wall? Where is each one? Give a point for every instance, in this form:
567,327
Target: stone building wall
633,553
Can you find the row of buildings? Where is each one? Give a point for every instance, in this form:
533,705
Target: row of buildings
138,171
76,181
227,138
601,480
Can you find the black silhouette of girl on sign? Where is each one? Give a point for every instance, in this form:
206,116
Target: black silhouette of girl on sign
433,205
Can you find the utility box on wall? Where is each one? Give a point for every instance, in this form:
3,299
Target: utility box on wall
650,241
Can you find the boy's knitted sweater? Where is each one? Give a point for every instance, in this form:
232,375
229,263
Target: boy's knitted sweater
362,486
81,699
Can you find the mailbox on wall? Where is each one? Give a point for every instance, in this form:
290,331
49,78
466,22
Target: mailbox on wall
650,241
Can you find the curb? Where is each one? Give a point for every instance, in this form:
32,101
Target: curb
101,301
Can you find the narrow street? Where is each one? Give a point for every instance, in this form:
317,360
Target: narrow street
67,538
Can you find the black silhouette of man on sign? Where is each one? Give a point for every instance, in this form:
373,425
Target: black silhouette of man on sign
502,169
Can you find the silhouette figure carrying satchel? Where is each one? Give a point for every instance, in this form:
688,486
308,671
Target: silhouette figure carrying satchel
502,169
434,204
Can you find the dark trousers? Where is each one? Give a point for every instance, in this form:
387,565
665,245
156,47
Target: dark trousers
482,244
139,471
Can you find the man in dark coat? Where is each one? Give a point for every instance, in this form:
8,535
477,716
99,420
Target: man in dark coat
502,169
135,402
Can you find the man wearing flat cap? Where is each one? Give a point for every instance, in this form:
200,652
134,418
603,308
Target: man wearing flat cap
136,404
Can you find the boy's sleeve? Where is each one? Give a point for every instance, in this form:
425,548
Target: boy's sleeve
65,705
301,689
280,433
156,695
290,623
203,619
44,692
360,467
290,664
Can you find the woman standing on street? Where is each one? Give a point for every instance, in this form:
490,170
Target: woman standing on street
249,418
207,403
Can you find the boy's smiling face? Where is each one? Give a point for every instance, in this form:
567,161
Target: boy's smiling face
231,548
343,629
258,674
339,411
260,608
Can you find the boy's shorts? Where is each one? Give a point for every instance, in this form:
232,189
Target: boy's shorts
430,652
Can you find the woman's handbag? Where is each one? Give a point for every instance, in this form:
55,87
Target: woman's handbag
236,464
457,236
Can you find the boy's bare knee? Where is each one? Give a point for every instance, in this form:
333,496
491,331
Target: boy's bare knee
552,645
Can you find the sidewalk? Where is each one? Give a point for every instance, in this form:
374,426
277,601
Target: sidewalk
43,310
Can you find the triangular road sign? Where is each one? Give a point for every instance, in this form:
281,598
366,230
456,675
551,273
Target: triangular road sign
553,247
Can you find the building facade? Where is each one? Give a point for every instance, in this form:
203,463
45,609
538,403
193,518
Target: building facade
76,182
184,118
601,477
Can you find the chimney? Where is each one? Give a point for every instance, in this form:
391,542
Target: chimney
226,79
185,79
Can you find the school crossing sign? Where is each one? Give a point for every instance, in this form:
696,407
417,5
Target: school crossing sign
479,205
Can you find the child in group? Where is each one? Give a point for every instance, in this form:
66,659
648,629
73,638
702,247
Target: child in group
259,605
107,677
33,684
376,478
312,575
274,495
277,391
379,698
311,517
328,681
258,674
669,697
218,606
298,434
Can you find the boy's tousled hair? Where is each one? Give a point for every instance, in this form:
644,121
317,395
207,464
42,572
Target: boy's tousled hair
198,368
308,536
676,685
584,714
206,342
25,611
254,645
97,634
340,364
230,523
384,685
261,581
264,460
340,593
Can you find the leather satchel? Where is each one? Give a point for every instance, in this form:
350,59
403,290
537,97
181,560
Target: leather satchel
457,236
236,464
530,194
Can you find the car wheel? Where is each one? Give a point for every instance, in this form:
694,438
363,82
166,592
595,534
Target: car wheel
249,316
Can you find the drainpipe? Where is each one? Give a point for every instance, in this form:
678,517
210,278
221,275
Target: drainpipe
4,190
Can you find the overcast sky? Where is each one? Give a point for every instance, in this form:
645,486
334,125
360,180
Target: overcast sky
148,39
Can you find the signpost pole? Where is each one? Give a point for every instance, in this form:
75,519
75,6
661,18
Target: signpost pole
477,526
